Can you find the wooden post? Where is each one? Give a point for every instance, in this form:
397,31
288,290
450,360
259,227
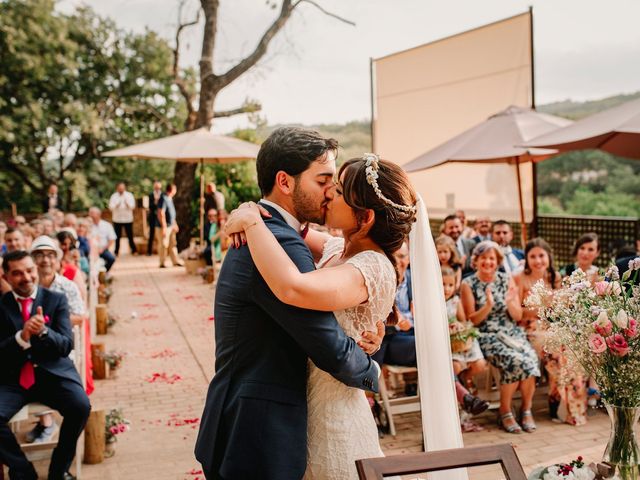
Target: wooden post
100,367
102,296
102,278
94,438
102,318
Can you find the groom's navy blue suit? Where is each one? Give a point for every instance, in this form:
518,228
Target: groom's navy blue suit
254,423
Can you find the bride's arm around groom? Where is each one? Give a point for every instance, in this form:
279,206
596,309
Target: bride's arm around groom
255,416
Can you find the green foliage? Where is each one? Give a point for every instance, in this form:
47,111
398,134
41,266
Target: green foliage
608,203
72,86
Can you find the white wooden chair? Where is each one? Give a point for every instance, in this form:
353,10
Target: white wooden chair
40,451
397,405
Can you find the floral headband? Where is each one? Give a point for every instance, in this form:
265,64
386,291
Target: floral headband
371,171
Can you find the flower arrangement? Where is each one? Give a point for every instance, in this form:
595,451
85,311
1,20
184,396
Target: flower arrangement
461,335
115,425
114,358
575,470
596,327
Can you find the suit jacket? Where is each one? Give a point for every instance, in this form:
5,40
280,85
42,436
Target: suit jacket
254,423
152,216
467,248
50,352
45,204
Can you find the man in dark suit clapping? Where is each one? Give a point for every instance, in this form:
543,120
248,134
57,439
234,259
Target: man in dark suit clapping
35,343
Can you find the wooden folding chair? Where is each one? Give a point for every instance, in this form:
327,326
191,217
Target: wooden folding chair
399,405
416,463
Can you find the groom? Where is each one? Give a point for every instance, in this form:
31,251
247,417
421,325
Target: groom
254,423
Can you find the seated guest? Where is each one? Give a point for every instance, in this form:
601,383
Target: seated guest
502,234
48,227
3,231
213,248
585,251
469,363
567,398
467,231
69,268
82,231
483,229
105,234
35,342
70,221
448,257
399,343
46,256
490,300
37,227
625,255
14,240
452,227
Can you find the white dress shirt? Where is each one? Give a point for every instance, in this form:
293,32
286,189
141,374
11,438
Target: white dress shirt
105,233
292,221
121,206
21,342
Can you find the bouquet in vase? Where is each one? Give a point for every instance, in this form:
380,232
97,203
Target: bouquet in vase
595,327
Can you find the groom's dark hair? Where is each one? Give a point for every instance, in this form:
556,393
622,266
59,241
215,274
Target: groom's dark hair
292,150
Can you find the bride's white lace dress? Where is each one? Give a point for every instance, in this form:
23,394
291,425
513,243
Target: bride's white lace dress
341,427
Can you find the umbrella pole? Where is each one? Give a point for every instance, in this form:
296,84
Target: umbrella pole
201,217
523,225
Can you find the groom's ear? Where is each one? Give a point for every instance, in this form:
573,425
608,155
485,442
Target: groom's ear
284,182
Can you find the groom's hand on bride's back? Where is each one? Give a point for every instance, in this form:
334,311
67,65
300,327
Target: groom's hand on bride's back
371,341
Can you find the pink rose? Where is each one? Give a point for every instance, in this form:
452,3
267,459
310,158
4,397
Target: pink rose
603,325
597,343
122,428
618,345
632,330
601,288
113,430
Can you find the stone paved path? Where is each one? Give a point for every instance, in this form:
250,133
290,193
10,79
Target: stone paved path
162,384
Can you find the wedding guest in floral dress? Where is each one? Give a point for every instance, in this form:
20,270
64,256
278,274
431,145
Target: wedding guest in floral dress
567,396
490,300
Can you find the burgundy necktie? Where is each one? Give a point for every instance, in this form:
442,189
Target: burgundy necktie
27,374
304,231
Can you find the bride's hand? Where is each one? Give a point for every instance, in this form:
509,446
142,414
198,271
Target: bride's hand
247,214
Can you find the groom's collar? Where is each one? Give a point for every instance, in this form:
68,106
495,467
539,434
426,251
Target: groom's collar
287,217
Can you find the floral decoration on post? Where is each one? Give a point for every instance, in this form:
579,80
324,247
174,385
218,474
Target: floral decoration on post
114,358
115,425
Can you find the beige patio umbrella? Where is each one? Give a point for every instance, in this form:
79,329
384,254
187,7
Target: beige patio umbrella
495,140
197,146
616,130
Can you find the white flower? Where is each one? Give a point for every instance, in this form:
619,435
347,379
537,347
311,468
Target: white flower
602,318
636,263
622,319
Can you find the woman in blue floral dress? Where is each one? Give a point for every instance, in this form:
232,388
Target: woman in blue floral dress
491,301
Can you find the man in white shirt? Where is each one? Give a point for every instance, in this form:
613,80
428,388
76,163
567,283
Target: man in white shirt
122,205
105,234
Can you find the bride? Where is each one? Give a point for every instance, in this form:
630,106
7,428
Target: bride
373,204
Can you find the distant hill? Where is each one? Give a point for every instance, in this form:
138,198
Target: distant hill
577,110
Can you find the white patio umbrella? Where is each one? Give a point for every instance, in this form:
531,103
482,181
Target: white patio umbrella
616,130
496,140
197,146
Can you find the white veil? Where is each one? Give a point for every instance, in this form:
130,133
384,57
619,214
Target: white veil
440,419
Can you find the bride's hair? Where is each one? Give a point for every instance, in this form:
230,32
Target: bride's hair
393,202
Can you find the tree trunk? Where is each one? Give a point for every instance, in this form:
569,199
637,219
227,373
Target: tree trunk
184,178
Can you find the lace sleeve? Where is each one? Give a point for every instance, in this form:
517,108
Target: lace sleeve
333,246
380,279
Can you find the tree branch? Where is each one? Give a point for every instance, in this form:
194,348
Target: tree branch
22,175
249,106
179,81
326,12
249,61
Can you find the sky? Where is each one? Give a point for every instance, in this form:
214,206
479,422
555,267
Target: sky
317,69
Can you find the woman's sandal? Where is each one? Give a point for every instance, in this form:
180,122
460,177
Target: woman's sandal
513,428
528,426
